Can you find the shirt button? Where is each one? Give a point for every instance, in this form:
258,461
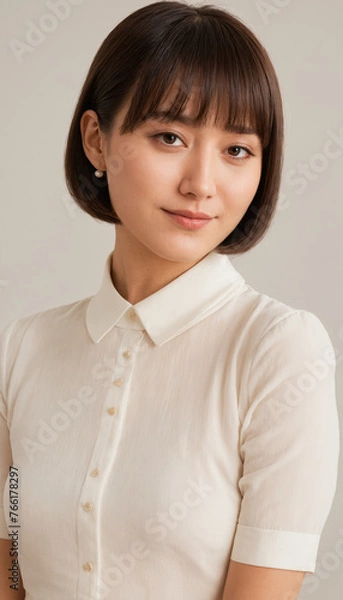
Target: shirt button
132,315
111,411
87,506
87,567
127,353
118,382
95,473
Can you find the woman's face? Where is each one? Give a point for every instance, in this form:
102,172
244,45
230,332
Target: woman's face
162,172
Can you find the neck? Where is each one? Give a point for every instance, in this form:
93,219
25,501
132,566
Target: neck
137,272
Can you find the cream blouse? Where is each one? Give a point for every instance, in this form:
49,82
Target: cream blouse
153,442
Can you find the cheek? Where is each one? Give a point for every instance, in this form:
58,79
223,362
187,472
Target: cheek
124,180
251,187
153,169
143,173
242,188
136,184
252,180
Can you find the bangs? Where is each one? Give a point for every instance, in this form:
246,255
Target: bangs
224,72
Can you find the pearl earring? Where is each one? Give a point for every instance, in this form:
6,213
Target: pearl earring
99,174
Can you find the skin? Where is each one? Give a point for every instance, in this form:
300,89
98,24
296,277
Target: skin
247,582
202,169
5,563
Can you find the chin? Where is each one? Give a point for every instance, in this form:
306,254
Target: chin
184,255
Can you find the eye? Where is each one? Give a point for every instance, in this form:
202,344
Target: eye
239,152
235,152
166,135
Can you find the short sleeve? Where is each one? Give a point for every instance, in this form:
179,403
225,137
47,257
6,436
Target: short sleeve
289,444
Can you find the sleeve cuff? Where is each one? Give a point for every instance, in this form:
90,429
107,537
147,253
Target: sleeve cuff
275,548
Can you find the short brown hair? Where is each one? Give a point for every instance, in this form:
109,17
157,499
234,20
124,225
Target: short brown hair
142,57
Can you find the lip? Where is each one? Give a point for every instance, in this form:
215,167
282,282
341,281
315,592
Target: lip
188,219
189,214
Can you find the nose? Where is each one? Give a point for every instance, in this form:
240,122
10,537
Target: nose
198,176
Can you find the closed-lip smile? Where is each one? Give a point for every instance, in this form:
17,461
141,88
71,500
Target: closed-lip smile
189,214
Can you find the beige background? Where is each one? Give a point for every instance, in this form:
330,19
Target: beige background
53,254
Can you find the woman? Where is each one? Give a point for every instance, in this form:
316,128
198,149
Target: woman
175,435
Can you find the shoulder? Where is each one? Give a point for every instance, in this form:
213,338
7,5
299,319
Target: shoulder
276,343
269,321
42,326
287,353
45,318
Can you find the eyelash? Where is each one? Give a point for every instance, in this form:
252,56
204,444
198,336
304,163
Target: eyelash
237,146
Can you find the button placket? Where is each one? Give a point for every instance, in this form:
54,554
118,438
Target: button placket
132,315
104,455
125,360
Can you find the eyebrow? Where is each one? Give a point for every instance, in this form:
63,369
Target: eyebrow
160,115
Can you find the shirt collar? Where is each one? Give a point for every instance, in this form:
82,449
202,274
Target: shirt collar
180,304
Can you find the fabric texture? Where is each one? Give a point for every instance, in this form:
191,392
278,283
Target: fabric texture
155,442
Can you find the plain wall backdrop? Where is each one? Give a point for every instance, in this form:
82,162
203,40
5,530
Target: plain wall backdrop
53,254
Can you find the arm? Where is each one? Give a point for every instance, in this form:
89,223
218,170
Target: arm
289,446
6,593
247,582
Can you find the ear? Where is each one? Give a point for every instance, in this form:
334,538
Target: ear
92,139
